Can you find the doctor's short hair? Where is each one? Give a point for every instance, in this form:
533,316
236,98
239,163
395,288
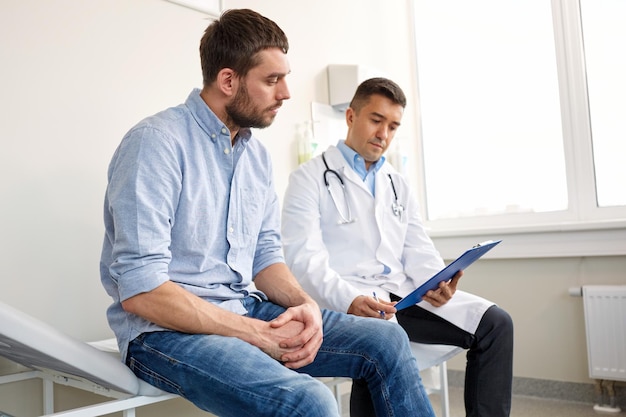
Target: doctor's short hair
234,41
381,86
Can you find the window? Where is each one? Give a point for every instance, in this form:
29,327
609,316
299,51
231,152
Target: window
507,113
604,31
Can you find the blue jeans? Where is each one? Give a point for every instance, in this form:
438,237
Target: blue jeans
229,377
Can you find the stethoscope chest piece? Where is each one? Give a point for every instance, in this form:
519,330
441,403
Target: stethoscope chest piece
397,209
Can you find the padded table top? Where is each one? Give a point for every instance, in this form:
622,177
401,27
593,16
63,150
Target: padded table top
35,344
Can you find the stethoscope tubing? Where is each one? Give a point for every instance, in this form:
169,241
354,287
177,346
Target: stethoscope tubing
397,208
327,171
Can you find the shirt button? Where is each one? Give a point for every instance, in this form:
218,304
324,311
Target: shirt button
213,135
224,130
231,230
226,151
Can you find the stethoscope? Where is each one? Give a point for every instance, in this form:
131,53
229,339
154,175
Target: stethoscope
396,207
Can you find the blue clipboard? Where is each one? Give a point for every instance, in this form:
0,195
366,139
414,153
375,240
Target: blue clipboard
446,274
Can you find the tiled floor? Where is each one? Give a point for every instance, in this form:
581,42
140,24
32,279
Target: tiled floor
522,406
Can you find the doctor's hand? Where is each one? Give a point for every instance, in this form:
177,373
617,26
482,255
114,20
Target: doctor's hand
365,306
444,293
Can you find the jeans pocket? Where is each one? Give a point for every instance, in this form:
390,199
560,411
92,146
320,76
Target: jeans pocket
146,362
154,378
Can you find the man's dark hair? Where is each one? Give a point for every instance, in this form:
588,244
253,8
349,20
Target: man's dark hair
380,86
234,40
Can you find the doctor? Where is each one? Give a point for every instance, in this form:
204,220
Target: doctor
354,238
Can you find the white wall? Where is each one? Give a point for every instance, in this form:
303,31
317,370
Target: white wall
76,75
550,336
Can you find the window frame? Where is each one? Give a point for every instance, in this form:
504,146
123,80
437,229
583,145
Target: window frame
584,229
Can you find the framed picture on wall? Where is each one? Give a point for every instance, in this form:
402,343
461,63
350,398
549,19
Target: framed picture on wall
212,8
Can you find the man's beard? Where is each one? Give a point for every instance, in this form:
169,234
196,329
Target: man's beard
243,114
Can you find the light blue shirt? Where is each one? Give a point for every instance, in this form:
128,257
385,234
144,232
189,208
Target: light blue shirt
357,163
184,205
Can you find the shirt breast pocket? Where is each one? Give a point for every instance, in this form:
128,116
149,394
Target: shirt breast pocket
252,203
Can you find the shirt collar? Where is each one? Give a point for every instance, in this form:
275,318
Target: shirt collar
356,161
209,122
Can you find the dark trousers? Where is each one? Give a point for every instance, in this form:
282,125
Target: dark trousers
489,370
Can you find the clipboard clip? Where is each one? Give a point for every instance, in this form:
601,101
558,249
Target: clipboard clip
478,245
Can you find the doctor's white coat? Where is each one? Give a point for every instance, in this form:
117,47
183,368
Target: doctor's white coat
336,261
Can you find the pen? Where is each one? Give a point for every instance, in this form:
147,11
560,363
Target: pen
382,313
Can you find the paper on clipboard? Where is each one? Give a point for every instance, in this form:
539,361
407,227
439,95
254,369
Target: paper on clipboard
460,263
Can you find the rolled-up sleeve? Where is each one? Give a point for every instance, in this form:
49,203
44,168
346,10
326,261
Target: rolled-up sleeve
141,207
